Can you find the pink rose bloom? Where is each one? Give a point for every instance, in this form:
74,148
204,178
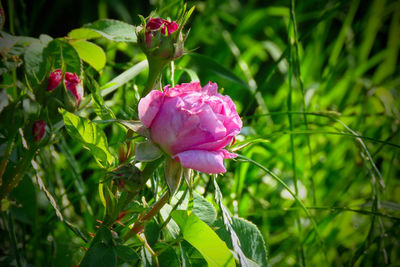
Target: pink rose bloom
38,130
54,80
192,124
73,84
156,24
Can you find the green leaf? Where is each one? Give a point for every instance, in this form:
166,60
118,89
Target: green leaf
90,53
83,34
103,235
188,175
204,239
124,77
62,55
11,50
100,107
168,257
192,257
173,173
147,151
127,254
172,227
152,232
113,30
209,63
34,60
89,135
100,255
251,240
204,209
136,126
184,256
227,223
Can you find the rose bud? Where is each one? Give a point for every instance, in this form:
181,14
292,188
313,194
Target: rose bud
38,130
55,78
192,124
74,90
160,40
155,24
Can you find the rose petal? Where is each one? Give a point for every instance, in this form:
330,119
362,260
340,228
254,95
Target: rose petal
182,89
155,23
214,145
174,130
149,107
172,27
228,155
211,88
204,161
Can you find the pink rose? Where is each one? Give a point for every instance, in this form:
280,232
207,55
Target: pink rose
192,124
38,130
54,80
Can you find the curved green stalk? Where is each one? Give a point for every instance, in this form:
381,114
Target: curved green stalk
280,181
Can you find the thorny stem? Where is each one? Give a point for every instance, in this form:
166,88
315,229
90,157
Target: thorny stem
138,226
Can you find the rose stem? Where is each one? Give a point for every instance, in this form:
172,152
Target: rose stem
138,225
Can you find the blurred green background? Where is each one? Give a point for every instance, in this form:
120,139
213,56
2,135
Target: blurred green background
315,82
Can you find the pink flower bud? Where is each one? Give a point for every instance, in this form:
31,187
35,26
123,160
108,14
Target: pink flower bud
38,130
156,39
74,85
192,124
54,80
166,27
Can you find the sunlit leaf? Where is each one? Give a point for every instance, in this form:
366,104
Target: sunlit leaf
100,107
83,34
124,77
251,240
204,239
63,56
204,209
35,61
90,53
89,135
113,30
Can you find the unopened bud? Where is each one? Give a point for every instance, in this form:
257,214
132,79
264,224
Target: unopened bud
55,78
159,39
155,25
74,86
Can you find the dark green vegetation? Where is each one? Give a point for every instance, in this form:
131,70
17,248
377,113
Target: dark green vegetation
317,86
